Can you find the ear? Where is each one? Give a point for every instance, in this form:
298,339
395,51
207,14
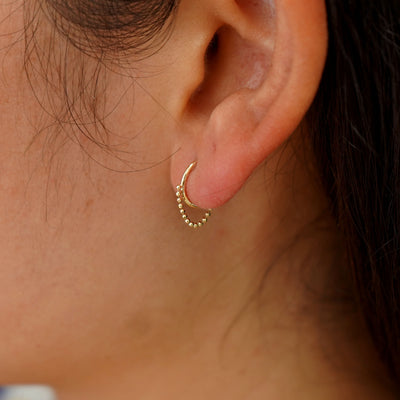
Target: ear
253,87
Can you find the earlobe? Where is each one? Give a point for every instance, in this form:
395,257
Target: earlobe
256,91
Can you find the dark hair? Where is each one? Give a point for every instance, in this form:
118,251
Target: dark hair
355,129
354,124
109,27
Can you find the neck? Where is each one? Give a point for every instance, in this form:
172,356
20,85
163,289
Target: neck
259,314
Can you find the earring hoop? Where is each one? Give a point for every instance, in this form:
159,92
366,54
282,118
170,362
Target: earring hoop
182,198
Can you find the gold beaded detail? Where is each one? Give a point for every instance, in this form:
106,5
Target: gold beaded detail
181,198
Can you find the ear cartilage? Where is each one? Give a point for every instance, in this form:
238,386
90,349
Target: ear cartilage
182,198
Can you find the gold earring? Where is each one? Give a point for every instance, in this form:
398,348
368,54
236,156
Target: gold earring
183,198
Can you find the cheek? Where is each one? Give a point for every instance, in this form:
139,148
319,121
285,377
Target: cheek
71,259
74,259
51,284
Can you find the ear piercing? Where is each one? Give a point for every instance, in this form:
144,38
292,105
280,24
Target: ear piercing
182,198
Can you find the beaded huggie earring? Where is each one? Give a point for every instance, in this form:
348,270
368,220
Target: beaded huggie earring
183,198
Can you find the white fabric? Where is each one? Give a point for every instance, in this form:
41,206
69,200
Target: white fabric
28,393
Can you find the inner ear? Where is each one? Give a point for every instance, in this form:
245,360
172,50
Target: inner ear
232,63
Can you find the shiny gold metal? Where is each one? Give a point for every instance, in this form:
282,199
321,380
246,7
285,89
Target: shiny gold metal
183,185
183,197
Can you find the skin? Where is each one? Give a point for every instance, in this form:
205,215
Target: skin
105,291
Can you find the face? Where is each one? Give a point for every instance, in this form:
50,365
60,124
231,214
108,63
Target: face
95,262
82,224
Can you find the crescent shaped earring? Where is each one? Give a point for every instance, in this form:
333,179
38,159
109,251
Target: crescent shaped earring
182,198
